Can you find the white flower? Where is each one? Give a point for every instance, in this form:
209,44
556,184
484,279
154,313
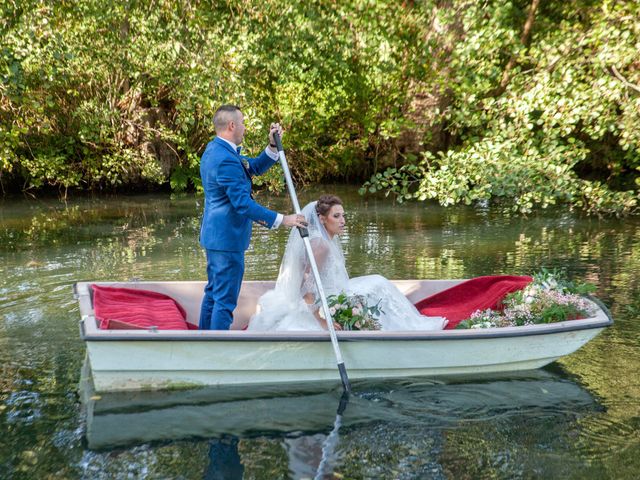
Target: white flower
332,310
532,290
484,325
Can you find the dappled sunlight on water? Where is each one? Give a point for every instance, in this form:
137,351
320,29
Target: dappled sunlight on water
579,418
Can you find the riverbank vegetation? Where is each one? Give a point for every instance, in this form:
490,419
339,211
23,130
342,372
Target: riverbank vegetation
533,103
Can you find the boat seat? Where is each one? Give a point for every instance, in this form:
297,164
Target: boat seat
117,308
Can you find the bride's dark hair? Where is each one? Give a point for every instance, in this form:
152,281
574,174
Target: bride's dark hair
325,202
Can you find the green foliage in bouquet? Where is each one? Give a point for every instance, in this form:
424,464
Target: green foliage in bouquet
549,298
352,312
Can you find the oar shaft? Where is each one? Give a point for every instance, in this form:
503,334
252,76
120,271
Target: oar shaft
289,181
314,267
287,175
323,299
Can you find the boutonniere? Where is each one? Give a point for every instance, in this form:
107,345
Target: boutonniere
245,163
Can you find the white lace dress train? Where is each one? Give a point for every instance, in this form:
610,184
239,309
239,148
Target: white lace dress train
398,313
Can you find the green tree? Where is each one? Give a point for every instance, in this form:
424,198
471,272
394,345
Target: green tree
531,102
539,118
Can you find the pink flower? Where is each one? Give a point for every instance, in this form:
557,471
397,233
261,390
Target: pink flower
355,311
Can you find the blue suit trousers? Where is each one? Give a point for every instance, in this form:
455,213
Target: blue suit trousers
224,278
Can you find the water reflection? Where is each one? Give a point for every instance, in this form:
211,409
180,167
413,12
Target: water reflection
424,413
224,460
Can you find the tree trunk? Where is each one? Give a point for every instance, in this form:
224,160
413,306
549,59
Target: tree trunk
525,39
429,98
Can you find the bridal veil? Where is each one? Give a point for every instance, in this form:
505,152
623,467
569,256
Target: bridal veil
284,307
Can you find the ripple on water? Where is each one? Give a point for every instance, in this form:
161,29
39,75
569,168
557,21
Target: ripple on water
24,407
601,436
480,402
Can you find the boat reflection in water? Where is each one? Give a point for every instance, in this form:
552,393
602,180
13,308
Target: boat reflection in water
304,415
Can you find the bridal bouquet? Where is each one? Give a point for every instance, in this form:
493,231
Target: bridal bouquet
352,312
548,298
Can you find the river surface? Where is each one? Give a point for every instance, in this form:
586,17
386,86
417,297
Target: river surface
578,418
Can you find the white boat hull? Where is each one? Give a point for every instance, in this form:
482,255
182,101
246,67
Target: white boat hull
142,360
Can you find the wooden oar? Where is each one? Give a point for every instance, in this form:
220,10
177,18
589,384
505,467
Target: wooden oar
304,233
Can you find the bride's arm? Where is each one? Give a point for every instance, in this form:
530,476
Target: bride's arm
310,299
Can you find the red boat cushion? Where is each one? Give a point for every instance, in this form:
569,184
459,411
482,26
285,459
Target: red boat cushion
459,302
126,308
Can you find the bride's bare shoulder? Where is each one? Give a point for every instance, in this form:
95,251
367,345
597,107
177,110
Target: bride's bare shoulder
319,245
319,242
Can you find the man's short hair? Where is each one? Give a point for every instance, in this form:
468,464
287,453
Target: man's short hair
224,115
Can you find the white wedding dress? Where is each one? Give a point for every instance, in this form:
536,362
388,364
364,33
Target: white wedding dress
284,307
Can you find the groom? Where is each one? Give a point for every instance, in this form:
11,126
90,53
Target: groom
229,209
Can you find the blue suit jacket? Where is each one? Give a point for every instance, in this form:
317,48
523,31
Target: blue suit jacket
229,208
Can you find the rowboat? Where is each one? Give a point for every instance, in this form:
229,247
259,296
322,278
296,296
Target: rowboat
150,359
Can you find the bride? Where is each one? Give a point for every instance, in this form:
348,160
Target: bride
293,304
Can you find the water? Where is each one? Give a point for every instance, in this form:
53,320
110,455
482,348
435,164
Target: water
578,418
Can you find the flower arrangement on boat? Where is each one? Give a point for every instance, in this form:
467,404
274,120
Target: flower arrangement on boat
352,312
548,298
